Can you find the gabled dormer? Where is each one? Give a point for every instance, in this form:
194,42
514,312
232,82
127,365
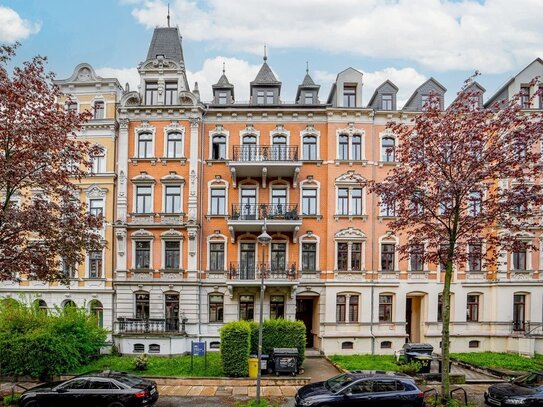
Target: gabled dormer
347,89
163,75
265,89
384,97
477,91
308,91
421,95
223,91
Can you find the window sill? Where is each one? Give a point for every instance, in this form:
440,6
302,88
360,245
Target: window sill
172,270
382,217
387,163
217,161
351,162
141,270
94,279
311,216
180,160
350,217
318,162
135,160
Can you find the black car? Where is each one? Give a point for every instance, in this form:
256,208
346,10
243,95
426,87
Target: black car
103,389
362,388
523,391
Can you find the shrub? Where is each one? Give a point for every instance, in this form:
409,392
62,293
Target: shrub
141,362
235,345
11,400
410,368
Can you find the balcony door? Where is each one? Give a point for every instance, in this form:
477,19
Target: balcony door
279,201
249,149
278,257
172,312
279,148
248,203
247,261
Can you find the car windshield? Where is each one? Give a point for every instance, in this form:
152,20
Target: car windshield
529,380
336,383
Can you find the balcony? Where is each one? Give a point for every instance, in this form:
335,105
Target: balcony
249,275
264,162
147,326
250,218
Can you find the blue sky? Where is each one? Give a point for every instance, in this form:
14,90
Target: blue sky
406,41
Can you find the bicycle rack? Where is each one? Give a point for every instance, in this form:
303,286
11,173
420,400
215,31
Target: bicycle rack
463,391
427,394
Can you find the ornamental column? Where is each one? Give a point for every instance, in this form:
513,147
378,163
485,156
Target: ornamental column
192,220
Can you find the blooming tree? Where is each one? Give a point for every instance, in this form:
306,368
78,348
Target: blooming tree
41,217
466,188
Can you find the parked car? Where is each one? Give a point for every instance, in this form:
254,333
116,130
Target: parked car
362,388
525,390
102,389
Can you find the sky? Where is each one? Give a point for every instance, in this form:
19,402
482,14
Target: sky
405,41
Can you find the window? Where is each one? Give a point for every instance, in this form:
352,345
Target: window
349,96
387,209
246,307
218,201
143,199
216,308
440,308
99,108
386,101
416,255
69,303
260,97
417,205
353,308
309,256
214,345
309,201
342,256
343,201
264,97
278,200
356,148
269,97
218,147
385,308
71,106
75,384
173,199
387,149
278,257
142,305
519,312
154,348
472,311
143,255
172,254
151,93
139,348
524,97
347,345
145,145
356,201
387,256
277,306
340,308
473,344
174,145
216,256
386,345
356,256
475,203
95,264
308,98
68,269
519,258
170,93
309,148
222,98
96,207
97,309
475,253
343,147
98,163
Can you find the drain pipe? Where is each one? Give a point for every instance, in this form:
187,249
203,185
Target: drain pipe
201,221
372,211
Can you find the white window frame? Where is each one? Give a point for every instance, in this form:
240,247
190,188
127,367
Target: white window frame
170,236
310,238
350,236
217,238
350,132
219,131
310,131
87,266
103,158
217,184
142,236
143,180
387,134
145,127
389,239
174,127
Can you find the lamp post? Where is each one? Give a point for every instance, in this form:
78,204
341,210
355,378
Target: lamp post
263,239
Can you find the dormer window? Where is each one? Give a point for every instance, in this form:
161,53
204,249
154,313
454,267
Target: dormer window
349,96
525,97
222,98
308,98
151,93
170,93
429,103
386,101
264,97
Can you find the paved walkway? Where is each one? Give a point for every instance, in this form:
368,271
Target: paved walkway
319,369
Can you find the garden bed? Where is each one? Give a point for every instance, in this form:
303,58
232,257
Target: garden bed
500,362
366,362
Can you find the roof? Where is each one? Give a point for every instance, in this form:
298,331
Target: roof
223,83
166,41
307,83
439,85
377,90
265,76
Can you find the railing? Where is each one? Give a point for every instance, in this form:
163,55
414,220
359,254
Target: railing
265,153
520,326
271,271
264,211
134,325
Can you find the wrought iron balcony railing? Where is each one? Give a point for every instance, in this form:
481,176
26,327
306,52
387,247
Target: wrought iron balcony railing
272,271
264,211
265,153
135,325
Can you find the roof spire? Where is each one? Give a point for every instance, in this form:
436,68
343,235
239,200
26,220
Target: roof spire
168,15
223,67
265,54
307,67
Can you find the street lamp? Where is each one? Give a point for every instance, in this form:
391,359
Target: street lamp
263,239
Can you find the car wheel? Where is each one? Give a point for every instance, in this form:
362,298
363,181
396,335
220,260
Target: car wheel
116,404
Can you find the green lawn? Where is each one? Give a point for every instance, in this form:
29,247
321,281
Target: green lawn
366,362
160,366
507,361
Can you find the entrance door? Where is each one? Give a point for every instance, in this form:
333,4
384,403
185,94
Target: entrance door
413,318
408,311
247,261
172,312
304,313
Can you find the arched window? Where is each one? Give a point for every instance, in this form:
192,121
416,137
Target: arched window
41,305
69,304
218,147
343,147
174,145
97,309
249,150
142,305
145,145
154,348
309,148
139,348
387,149
249,140
356,147
474,344
279,149
216,307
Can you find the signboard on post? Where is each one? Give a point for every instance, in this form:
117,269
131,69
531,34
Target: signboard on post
198,349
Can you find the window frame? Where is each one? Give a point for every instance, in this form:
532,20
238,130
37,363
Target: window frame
386,308
216,308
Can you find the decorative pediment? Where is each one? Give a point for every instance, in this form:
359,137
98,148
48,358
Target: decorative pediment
351,130
174,127
142,234
172,234
145,127
172,178
350,177
131,99
350,234
143,178
94,191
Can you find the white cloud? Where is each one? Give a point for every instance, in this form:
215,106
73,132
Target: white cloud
124,75
13,27
493,36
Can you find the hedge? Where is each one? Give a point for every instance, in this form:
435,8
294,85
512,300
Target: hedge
235,346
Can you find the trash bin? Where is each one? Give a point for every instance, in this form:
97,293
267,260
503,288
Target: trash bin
285,360
264,363
253,368
419,352
440,363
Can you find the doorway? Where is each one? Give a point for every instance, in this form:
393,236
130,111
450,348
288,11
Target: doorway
172,312
413,319
304,313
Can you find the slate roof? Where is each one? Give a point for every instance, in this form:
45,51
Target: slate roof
166,41
431,80
265,76
374,96
223,83
308,81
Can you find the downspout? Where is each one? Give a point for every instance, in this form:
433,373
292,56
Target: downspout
372,288
200,221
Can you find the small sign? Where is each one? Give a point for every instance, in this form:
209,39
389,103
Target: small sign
198,348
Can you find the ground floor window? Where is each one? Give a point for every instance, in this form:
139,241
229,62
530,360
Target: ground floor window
277,306
216,308
142,305
385,308
246,307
